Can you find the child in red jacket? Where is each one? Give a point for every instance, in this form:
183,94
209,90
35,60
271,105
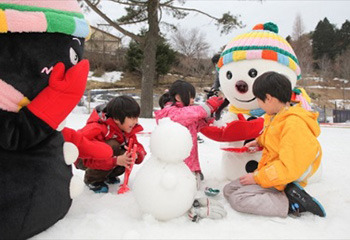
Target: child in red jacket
103,142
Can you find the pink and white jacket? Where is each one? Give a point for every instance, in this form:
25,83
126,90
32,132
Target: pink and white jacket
193,118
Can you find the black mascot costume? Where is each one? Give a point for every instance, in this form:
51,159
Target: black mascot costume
42,78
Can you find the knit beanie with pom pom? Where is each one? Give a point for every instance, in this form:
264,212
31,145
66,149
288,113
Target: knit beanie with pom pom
51,16
263,42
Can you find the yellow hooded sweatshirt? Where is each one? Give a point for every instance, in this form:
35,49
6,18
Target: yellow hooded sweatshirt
291,150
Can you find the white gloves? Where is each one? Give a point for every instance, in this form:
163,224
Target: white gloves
206,208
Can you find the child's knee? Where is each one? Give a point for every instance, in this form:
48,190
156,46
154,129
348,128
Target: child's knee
231,188
79,164
227,191
95,175
117,171
116,147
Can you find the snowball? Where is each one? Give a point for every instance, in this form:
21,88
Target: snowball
164,190
171,141
169,180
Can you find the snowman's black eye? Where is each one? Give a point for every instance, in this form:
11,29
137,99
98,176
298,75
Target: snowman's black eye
229,75
74,58
253,73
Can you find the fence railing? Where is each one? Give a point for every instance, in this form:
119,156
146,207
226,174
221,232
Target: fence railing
340,116
90,93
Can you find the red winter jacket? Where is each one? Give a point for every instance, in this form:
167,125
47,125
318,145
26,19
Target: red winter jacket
90,140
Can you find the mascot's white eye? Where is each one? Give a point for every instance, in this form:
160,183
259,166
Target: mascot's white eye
74,59
229,75
253,73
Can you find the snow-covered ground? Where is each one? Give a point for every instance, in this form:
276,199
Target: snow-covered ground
113,216
110,77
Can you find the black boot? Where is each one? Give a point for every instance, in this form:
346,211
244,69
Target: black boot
300,201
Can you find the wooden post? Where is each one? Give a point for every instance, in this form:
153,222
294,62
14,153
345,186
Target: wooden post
89,100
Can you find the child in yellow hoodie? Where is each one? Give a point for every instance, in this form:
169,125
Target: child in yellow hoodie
290,156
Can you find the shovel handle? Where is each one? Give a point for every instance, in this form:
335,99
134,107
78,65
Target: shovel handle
124,187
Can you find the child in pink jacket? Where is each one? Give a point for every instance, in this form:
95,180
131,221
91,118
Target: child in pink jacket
177,104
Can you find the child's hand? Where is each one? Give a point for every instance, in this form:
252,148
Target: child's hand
125,160
252,146
247,179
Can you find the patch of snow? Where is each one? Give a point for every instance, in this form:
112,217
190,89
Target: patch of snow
109,77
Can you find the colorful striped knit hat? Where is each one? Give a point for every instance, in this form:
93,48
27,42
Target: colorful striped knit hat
262,42
50,16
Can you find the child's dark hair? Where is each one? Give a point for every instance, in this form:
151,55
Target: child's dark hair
215,58
121,107
164,99
185,90
275,84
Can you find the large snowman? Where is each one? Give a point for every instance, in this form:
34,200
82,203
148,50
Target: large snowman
245,58
165,187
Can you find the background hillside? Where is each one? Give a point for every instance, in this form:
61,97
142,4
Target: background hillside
326,94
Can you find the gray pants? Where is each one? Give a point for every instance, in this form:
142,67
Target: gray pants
256,200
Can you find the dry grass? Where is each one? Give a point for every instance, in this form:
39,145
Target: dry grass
331,90
134,80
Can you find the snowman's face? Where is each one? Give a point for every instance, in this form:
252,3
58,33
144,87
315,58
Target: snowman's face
237,78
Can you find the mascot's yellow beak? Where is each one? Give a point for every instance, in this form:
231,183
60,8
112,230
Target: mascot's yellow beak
24,102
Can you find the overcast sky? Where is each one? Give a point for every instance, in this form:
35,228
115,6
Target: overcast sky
282,12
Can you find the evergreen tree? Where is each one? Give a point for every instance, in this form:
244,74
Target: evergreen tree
344,37
165,57
134,56
324,40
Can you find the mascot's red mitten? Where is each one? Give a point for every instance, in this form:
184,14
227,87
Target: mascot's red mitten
237,130
57,100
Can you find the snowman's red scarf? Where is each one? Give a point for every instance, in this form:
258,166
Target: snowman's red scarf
11,100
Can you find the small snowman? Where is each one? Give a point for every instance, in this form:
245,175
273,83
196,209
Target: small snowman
246,57
165,187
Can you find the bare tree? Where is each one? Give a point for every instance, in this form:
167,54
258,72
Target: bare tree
194,49
343,69
302,46
303,49
298,27
344,62
190,43
150,12
326,67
